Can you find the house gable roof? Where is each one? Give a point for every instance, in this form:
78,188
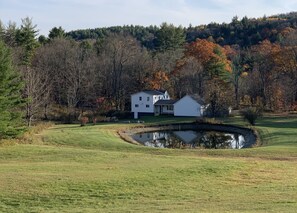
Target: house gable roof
198,99
195,98
152,92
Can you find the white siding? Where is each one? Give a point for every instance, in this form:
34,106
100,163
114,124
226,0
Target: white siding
166,96
157,97
187,107
146,104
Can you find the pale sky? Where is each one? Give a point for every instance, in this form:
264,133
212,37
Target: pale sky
84,14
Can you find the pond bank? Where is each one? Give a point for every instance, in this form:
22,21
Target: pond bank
250,135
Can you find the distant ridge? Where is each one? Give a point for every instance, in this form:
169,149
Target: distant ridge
243,32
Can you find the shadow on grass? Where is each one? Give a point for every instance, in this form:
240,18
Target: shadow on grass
277,122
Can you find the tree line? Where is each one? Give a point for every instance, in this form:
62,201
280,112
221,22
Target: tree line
244,32
59,77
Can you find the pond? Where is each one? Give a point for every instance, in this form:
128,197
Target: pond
190,139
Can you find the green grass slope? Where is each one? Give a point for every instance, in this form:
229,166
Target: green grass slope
90,169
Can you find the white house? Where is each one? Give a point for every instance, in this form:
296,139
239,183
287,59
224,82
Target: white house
144,101
158,102
189,105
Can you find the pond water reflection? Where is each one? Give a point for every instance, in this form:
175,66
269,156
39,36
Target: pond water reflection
191,139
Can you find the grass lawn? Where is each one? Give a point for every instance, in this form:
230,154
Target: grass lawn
90,169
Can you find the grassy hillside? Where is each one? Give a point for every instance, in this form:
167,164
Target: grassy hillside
90,169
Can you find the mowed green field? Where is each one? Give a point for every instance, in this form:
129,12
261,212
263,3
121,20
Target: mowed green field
90,169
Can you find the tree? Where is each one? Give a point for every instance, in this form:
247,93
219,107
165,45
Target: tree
56,32
238,68
2,30
26,39
10,95
210,55
119,53
38,86
264,57
162,69
42,39
158,79
251,114
189,77
169,37
287,67
9,34
71,72
215,65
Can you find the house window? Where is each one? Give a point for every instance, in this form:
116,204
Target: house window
147,106
170,108
136,105
148,98
140,98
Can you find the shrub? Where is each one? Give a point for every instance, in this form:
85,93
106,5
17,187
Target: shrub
251,114
84,120
94,120
120,114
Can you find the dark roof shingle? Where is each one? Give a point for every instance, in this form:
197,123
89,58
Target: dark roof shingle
165,102
155,92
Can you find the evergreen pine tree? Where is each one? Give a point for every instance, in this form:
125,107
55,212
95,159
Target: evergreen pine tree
10,96
169,37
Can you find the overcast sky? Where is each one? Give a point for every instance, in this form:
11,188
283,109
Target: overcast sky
83,14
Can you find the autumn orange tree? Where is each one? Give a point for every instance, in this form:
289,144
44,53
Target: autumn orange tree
211,66
158,79
212,56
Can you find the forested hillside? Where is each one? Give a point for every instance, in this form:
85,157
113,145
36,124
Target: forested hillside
246,63
244,32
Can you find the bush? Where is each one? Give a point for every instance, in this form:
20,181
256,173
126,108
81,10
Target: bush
219,112
120,114
84,120
251,114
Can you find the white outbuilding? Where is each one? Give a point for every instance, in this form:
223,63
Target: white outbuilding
189,105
